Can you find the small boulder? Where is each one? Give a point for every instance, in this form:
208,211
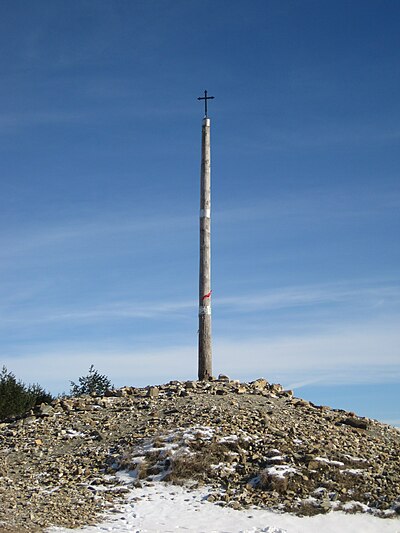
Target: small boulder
259,384
276,388
355,423
153,392
45,410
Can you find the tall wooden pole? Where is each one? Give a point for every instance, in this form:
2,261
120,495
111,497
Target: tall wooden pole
205,350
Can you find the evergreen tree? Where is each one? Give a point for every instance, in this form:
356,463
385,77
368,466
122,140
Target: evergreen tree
93,382
16,398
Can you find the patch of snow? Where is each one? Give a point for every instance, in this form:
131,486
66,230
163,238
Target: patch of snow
50,491
126,477
353,471
274,451
280,470
203,432
354,459
276,458
329,462
348,506
224,467
310,499
164,508
228,438
72,433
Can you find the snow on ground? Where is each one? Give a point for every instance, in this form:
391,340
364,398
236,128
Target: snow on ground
159,507
162,508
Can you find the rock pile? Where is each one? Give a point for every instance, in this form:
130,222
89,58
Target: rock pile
253,444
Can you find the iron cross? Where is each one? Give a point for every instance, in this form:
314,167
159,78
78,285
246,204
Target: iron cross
205,98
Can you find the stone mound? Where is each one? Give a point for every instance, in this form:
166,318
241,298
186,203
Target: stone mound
252,444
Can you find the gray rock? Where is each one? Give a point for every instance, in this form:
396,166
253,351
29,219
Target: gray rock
153,392
356,422
259,384
45,410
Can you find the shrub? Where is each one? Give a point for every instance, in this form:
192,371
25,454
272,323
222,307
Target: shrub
16,398
196,463
92,383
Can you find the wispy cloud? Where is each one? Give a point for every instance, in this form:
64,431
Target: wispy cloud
107,312
15,121
321,134
328,203
22,240
372,295
55,365
314,295
364,354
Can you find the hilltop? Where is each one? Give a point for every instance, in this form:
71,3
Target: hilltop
252,444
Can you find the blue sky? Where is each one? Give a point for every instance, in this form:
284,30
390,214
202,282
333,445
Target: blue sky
99,192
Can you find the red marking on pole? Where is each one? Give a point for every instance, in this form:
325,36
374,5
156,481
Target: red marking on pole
207,296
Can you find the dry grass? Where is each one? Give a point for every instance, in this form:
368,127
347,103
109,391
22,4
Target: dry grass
267,481
310,509
196,463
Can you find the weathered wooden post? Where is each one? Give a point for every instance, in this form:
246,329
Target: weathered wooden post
205,345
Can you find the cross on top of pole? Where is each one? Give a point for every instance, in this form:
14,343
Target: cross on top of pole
205,98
